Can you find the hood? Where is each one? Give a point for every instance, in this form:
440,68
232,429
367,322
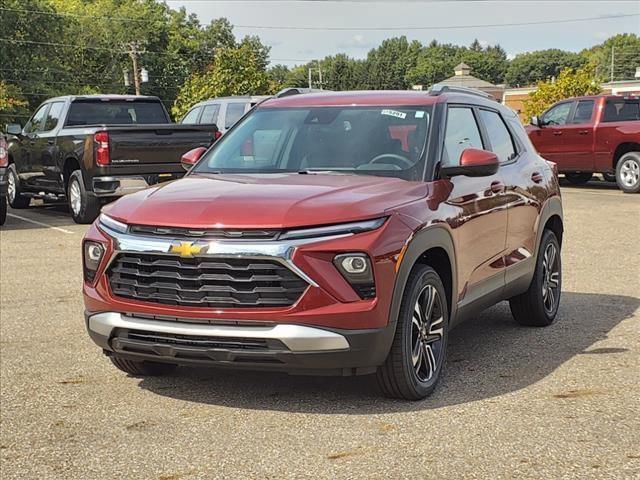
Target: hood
264,201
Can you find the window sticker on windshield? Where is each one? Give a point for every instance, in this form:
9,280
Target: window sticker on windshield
393,113
419,114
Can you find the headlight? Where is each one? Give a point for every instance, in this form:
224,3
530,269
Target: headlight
339,229
357,270
106,221
93,252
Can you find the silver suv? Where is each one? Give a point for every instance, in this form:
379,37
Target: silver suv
223,111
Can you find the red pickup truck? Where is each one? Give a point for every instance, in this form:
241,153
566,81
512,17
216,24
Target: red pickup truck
587,135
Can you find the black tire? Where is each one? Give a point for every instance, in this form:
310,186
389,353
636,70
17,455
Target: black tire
84,207
578,178
609,177
3,209
628,172
538,306
14,195
403,375
142,368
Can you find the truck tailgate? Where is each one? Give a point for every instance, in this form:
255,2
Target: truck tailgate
156,144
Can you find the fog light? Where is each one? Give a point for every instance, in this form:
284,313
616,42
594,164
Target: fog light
93,253
356,269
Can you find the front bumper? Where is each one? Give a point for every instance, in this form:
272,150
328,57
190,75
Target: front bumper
296,349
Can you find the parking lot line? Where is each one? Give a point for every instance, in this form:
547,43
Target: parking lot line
36,222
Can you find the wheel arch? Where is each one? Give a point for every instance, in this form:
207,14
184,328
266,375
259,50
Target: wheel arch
70,165
551,218
622,149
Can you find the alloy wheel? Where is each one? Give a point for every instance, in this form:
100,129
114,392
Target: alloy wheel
630,173
75,199
427,333
11,187
550,278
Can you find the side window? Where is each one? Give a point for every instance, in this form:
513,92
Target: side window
234,112
53,116
35,124
558,115
461,133
210,114
621,110
192,116
499,136
583,112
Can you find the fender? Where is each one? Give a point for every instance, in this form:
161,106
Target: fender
551,207
430,237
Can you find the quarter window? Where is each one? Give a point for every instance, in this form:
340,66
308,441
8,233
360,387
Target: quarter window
583,112
192,116
234,112
461,133
558,115
499,136
210,114
53,116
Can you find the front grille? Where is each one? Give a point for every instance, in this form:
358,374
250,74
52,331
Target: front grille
207,282
205,233
198,341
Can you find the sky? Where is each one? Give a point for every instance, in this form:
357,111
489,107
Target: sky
368,23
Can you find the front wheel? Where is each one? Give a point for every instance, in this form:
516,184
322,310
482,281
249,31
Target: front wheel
628,172
84,207
578,178
14,190
416,359
538,306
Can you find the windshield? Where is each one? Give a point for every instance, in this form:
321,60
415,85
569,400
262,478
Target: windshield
385,141
110,112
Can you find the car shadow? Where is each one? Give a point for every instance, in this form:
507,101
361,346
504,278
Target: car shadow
51,214
487,357
595,183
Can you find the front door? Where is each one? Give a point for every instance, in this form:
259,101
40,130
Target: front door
28,169
578,138
549,139
44,152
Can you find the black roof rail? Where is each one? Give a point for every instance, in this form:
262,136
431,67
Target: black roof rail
439,89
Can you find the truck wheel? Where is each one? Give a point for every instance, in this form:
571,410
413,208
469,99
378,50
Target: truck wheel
609,177
416,359
84,207
538,306
3,210
14,191
628,172
578,178
144,368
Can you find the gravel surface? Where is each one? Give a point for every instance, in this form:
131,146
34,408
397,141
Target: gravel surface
558,402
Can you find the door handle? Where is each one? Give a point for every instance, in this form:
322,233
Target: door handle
497,187
537,177
557,133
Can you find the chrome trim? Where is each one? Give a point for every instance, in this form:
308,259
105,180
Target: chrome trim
125,185
298,338
279,250
337,229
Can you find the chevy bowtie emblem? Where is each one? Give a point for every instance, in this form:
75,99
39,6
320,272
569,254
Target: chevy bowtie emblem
187,249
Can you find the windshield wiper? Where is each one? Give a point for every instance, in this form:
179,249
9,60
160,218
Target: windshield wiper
315,171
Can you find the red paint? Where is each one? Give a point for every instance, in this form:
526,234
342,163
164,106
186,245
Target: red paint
192,156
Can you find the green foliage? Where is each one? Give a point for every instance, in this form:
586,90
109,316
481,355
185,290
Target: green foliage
529,68
387,65
235,71
12,103
626,57
568,84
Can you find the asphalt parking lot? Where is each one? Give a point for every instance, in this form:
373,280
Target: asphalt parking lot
560,402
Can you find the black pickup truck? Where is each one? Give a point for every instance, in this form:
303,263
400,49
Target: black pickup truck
91,149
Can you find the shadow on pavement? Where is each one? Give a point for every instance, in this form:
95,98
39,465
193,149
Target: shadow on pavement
487,357
52,214
593,184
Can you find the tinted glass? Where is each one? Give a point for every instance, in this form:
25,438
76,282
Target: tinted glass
499,136
35,124
53,116
461,133
115,113
234,112
621,110
583,111
192,116
210,114
362,140
557,115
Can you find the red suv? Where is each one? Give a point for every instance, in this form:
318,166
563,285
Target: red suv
334,233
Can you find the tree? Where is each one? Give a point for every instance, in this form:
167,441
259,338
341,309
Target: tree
278,76
624,49
235,71
528,68
568,84
387,66
12,103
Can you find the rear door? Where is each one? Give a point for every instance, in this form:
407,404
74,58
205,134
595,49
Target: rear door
481,219
578,137
549,139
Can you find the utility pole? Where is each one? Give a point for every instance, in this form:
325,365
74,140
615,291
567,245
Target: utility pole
320,75
133,53
309,78
612,60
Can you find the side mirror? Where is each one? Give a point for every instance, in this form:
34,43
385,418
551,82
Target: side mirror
474,162
537,122
14,129
190,158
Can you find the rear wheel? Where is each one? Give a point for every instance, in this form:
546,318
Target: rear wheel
14,191
142,368
416,359
84,207
538,306
628,172
578,178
